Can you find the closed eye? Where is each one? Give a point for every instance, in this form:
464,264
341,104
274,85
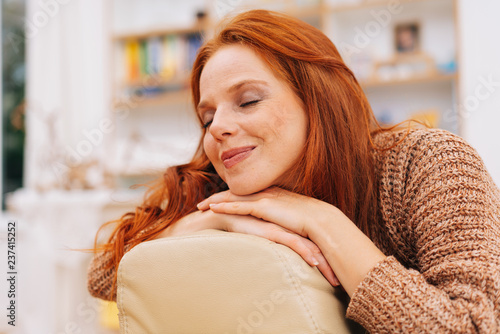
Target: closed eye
246,104
207,124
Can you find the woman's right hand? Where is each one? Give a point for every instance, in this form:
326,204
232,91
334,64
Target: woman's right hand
203,220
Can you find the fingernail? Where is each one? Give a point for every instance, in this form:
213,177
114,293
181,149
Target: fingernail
200,205
315,261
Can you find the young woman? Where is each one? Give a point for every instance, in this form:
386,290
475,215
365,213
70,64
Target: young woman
407,221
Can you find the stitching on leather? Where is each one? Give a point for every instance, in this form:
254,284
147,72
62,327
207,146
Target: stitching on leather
123,323
198,236
285,261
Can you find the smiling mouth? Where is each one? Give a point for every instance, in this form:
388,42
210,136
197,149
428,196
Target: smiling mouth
233,156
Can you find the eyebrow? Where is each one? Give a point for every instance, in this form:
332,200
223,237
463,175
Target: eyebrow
235,87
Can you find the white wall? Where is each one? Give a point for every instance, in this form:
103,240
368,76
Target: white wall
1,113
480,64
66,90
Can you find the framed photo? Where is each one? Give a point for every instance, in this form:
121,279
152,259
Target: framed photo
407,38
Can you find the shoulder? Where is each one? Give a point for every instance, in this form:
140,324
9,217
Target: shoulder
420,140
428,178
413,166
419,151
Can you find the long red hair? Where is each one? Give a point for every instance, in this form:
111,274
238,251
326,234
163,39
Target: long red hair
336,165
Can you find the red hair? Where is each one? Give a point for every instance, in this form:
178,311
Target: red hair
336,166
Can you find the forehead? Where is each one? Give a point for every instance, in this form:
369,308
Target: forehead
232,64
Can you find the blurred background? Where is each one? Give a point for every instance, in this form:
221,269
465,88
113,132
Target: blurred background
95,99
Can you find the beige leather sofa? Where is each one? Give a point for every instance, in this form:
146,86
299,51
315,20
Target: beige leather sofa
219,282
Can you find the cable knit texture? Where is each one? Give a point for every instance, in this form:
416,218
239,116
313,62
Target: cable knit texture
440,227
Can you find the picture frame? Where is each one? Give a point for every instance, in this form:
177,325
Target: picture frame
407,38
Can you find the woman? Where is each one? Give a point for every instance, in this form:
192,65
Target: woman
407,220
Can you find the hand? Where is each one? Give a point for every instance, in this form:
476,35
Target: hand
300,214
202,220
288,214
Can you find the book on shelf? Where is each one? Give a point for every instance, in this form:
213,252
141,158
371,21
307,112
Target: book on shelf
160,63
132,60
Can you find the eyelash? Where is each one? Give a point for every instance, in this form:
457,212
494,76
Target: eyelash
243,105
246,104
207,124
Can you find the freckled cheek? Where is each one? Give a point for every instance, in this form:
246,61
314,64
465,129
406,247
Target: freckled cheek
210,149
273,128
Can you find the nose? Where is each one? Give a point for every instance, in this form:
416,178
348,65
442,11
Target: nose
223,124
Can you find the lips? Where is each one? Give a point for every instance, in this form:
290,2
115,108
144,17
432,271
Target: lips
233,156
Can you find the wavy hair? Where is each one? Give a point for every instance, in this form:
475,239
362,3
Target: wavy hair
336,165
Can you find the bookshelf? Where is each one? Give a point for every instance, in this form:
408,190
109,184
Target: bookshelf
151,100
153,64
341,6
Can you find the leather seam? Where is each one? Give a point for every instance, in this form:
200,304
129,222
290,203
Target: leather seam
298,289
198,236
123,323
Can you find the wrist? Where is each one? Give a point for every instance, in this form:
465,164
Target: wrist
350,253
328,220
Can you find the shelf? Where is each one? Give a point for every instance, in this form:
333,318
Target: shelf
437,77
155,81
366,4
305,11
196,29
182,96
150,172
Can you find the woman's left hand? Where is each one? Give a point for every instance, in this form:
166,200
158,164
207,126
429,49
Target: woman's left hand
297,213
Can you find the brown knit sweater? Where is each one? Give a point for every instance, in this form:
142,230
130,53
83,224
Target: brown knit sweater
439,226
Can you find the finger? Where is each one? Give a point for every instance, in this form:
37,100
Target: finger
277,234
280,213
327,271
323,266
234,208
314,258
215,198
228,196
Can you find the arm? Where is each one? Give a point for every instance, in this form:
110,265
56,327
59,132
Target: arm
451,209
451,206
101,272
100,280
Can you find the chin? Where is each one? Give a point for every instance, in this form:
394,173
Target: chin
245,189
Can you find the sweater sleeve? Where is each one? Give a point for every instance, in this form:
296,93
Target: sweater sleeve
451,208
100,279
101,273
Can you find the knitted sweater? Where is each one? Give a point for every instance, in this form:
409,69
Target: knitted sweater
440,227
